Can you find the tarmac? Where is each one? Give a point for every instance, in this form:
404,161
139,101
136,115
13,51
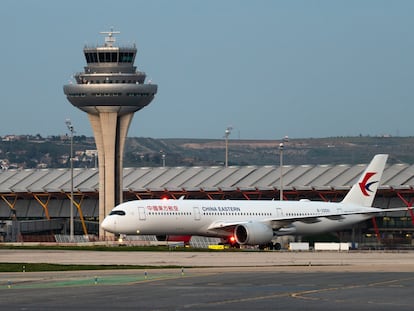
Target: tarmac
398,261
249,280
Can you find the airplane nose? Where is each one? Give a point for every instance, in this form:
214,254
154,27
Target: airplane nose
108,224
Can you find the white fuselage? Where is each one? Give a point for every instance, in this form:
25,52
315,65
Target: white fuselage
215,217
250,222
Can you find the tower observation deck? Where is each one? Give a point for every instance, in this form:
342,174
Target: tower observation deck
110,91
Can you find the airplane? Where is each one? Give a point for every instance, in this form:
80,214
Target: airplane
250,222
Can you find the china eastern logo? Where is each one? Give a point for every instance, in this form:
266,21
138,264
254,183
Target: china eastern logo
365,184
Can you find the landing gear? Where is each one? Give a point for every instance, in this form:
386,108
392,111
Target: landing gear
277,246
270,246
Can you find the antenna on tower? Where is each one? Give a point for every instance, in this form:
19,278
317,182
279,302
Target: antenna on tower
110,40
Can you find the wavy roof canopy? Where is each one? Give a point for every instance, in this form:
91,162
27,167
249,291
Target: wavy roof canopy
302,177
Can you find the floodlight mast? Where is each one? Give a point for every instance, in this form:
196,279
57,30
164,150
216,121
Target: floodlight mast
281,147
227,133
71,223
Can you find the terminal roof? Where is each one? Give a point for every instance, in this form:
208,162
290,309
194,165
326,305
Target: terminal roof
232,178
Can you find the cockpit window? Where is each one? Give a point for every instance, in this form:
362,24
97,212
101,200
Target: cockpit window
118,212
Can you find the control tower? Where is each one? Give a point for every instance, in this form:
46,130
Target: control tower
110,91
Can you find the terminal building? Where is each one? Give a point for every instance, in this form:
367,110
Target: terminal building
35,204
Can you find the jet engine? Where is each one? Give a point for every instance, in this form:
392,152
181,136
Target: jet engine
253,233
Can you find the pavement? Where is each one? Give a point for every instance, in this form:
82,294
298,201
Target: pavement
352,260
352,281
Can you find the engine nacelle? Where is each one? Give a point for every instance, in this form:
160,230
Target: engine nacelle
253,233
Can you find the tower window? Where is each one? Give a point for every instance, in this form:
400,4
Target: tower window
91,58
126,57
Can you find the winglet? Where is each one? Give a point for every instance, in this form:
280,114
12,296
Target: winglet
363,192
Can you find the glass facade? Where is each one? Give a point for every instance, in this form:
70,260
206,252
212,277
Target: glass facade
126,57
109,57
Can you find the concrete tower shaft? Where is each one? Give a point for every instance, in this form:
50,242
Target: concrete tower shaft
110,91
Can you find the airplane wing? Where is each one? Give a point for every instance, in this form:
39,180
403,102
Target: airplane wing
339,215
396,209
279,222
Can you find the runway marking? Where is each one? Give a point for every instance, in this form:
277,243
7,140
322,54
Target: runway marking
299,295
302,294
230,301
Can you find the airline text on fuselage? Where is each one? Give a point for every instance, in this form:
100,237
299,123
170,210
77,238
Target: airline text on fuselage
162,208
220,209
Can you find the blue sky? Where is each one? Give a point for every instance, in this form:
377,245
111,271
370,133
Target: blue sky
267,68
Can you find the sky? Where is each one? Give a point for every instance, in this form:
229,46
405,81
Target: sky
267,68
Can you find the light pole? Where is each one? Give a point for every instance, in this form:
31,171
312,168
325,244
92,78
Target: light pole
281,146
95,158
227,133
71,129
163,156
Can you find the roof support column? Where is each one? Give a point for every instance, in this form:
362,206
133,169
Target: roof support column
43,204
10,204
409,204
